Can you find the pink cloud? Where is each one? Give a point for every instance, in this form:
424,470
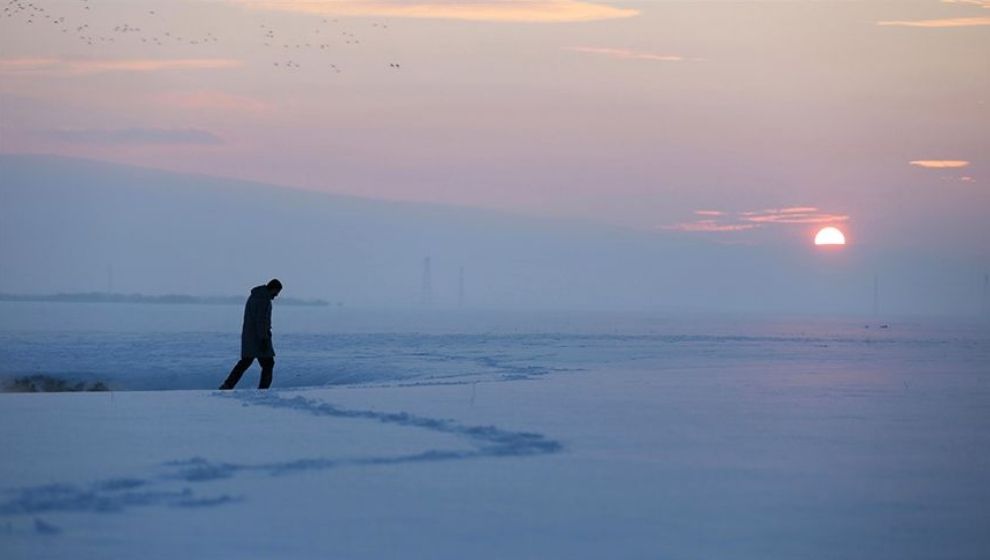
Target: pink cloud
718,221
939,23
787,210
64,66
627,54
708,226
977,3
796,218
25,64
939,163
528,11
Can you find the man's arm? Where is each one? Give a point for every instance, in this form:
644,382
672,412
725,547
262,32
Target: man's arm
261,315
265,323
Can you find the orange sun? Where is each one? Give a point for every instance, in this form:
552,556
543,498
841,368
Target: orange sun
830,236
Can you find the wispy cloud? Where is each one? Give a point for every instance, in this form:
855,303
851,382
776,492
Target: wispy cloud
967,179
531,11
708,226
939,23
55,66
940,163
626,54
795,215
716,221
977,3
212,100
788,210
135,136
25,64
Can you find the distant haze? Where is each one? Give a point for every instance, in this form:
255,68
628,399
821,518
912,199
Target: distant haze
73,226
565,153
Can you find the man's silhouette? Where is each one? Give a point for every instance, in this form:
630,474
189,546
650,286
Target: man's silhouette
256,336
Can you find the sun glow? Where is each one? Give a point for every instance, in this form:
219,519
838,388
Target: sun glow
830,236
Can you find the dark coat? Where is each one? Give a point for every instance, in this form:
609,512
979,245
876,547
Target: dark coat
256,334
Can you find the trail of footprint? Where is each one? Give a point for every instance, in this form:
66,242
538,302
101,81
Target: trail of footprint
489,439
102,496
118,494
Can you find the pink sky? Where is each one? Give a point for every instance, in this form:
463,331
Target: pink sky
869,116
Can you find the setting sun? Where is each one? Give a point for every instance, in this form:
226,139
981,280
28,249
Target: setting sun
830,236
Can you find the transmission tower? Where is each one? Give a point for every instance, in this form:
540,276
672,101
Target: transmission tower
876,295
427,295
986,294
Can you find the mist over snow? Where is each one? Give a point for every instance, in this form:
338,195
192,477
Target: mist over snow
556,287
69,225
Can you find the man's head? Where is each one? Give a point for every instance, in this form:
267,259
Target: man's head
274,287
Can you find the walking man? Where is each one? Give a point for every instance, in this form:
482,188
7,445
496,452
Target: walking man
256,336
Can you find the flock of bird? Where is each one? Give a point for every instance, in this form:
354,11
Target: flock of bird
77,19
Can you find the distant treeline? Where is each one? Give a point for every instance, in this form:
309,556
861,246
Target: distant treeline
104,297
48,384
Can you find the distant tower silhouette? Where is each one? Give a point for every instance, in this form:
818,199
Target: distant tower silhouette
109,278
876,295
427,295
460,288
986,294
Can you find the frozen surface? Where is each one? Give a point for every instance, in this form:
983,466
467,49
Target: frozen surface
631,438
154,347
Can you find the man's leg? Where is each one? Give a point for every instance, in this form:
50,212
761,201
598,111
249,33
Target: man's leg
236,373
267,365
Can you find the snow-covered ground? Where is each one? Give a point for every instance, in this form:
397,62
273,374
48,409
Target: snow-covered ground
629,440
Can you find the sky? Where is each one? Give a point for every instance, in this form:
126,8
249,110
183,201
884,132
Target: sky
734,123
